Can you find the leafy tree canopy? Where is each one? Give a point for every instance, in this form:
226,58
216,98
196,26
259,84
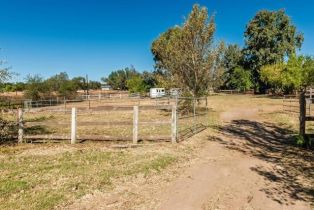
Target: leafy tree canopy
186,53
269,38
137,85
118,79
295,74
35,87
232,59
241,79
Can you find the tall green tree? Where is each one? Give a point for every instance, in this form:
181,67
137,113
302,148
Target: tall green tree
233,57
149,79
56,82
80,83
269,38
240,79
187,53
118,79
236,76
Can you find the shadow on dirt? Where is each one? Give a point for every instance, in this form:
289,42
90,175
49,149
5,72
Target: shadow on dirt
293,170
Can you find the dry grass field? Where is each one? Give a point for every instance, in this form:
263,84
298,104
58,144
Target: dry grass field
242,130
46,176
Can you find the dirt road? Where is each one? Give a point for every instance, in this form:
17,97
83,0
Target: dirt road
245,165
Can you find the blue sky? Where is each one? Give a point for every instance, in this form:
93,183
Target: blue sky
95,37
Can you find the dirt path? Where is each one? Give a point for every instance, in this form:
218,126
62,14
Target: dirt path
231,176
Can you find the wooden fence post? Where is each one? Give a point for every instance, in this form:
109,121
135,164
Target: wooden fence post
65,105
174,124
135,124
302,118
73,126
20,122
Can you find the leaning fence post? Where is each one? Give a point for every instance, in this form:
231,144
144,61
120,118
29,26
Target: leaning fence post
135,124
174,124
73,126
20,122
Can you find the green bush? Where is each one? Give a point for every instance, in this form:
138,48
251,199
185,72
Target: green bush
136,85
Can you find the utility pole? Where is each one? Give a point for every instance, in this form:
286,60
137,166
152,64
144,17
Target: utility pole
87,85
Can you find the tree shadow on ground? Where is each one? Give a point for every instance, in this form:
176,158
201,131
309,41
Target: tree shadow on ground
292,171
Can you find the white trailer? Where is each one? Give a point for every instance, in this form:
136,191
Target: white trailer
157,92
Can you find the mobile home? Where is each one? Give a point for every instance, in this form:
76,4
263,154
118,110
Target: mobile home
106,87
157,92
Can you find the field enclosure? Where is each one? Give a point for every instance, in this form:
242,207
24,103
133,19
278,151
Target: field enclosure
64,176
118,119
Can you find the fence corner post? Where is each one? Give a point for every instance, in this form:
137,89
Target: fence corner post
20,124
174,124
73,126
135,124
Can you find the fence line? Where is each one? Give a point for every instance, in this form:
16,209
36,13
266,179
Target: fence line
75,122
63,102
185,118
290,104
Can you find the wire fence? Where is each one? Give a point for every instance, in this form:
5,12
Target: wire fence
291,103
111,117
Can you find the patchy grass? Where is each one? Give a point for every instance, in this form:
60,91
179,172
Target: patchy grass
43,181
284,120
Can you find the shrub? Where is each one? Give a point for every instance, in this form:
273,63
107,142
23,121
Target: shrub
8,130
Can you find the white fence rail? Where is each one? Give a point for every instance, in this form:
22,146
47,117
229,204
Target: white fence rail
73,137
